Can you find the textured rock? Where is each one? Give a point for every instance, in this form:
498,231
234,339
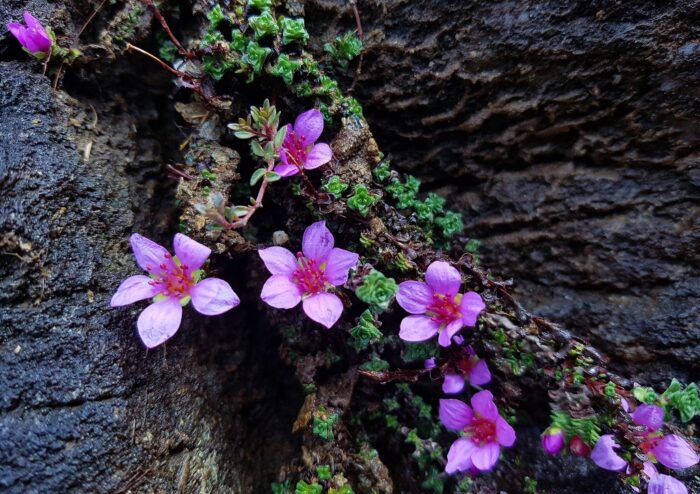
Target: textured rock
567,134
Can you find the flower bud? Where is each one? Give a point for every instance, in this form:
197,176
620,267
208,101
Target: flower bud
553,440
578,447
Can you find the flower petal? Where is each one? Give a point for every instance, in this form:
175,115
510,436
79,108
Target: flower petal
443,278
472,304
479,374
486,456
414,297
338,265
430,363
286,170
189,252
317,242
453,384
504,432
308,126
459,456
213,296
455,414
665,484
133,289
673,452
417,328
280,292
482,403
651,416
31,21
149,255
324,308
279,260
604,455
159,322
319,155
15,28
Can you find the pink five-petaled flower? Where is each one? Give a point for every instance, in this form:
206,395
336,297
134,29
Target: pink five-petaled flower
309,275
33,37
300,150
662,484
485,432
670,450
172,282
436,305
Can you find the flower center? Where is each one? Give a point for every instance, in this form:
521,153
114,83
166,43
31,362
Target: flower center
172,278
444,309
293,146
481,431
648,444
309,276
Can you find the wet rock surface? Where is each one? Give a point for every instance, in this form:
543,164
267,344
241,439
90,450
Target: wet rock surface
568,135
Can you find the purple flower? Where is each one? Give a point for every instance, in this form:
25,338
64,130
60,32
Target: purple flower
172,282
33,37
671,450
604,455
553,439
662,484
436,306
299,150
309,275
485,432
465,365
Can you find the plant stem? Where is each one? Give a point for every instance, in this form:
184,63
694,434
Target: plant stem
258,200
161,19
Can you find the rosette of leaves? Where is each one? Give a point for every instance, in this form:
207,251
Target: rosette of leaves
377,290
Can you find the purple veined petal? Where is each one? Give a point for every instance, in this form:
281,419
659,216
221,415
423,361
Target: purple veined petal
444,339
213,296
471,306
280,292
453,328
417,328
430,363
319,155
37,34
479,374
308,126
159,322
189,252
317,241
459,456
279,260
443,278
338,265
455,414
286,170
324,308
504,432
651,416
414,296
482,403
624,404
674,452
485,457
665,484
604,455
453,384
32,22
649,469
149,254
133,289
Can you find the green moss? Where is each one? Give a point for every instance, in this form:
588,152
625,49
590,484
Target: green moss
365,332
263,25
335,186
323,423
293,30
324,472
344,48
304,488
382,171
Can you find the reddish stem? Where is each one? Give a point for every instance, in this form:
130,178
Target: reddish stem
258,200
161,19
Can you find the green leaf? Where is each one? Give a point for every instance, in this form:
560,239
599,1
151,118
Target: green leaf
335,186
272,176
365,332
255,56
285,68
257,175
324,472
216,16
279,137
260,4
304,488
257,149
645,395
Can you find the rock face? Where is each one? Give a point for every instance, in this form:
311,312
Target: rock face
84,408
568,133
